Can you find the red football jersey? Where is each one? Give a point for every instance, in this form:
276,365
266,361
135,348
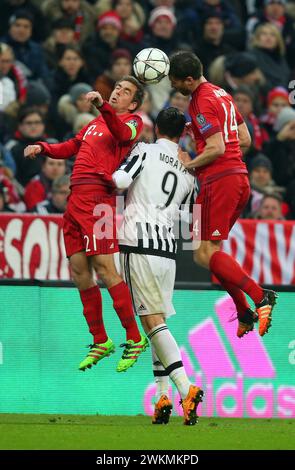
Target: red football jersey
101,146
213,110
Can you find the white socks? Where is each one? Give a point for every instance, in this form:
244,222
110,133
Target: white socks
167,351
161,376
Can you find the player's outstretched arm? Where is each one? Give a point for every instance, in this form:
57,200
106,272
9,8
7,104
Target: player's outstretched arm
58,151
122,131
215,147
244,137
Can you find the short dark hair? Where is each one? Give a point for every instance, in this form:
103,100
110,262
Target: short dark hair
275,196
171,122
185,64
27,111
139,94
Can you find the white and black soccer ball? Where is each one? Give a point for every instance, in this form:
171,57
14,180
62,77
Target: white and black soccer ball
151,65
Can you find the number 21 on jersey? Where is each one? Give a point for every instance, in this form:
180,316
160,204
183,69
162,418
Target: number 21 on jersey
230,122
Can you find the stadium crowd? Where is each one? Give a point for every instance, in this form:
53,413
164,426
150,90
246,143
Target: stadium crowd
52,52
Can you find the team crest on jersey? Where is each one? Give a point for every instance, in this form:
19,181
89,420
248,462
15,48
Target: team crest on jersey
201,120
133,122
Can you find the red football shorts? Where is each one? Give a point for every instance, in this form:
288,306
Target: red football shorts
89,223
222,202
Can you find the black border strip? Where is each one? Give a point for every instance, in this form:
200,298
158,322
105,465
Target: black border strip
179,285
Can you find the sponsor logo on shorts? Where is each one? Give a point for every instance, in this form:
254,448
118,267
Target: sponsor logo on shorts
216,233
141,308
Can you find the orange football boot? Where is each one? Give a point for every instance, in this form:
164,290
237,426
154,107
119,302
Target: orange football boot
162,410
264,310
190,405
247,324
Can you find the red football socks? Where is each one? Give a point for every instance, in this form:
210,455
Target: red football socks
123,305
92,303
238,297
226,269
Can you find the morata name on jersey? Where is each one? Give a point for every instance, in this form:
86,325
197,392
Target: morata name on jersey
173,162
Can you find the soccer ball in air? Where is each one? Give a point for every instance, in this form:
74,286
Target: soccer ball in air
151,65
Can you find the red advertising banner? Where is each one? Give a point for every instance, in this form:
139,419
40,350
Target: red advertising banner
265,249
31,247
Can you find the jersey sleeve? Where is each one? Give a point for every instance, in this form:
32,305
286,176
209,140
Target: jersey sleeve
124,131
66,149
131,168
207,119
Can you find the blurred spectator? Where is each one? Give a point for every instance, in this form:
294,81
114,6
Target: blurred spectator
30,128
11,69
71,70
269,49
147,134
244,100
162,23
270,208
238,69
212,44
274,11
57,202
74,103
6,159
147,105
71,105
12,200
7,88
25,49
38,96
133,18
98,49
261,182
159,95
3,199
63,34
277,99
290,199
121,65
179,101
233,27
281,149
10,7
78,11
40,187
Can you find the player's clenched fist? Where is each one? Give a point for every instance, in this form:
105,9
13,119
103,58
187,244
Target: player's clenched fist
31,151
95,98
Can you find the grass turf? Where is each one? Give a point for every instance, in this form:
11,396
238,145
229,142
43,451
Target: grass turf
68,432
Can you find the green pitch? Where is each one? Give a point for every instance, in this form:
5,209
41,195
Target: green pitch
70,432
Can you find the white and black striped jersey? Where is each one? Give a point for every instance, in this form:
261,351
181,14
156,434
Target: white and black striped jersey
158,186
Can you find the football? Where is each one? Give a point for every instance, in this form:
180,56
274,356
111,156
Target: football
151,65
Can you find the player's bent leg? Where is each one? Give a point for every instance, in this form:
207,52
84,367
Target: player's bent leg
163,405
105,268
246,317
81,271
168,352
205,251
90,295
